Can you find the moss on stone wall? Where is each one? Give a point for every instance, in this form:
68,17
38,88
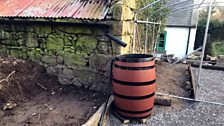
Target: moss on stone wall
59,48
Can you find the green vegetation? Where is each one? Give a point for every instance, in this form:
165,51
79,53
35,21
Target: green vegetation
218,48
216,30
153,15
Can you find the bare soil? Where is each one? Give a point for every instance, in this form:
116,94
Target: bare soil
173,80
38,99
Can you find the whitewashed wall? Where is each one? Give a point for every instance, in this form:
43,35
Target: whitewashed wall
176,40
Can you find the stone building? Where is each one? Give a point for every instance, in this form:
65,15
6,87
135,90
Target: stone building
67,37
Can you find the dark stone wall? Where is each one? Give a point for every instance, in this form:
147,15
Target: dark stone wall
77,54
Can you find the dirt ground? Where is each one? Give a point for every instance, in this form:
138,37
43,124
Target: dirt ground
173,80
28,96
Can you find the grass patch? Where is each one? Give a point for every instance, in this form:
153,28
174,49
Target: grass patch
218,48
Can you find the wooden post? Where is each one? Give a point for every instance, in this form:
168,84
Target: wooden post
208,48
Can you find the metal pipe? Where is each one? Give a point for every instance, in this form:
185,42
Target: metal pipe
205,40
117,40
189,99
177,61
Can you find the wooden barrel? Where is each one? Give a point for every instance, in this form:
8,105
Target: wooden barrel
134,85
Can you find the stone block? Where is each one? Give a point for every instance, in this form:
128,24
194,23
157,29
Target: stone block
98,31
90,79
127,28
67,41
16,53
129,40
5,27
117,12
73,59
117,28
31,40
130,3
100,62
163,100
64,81
70,49
127,14
51,70
86,44
35,55
42,29
54,43
5,35
60,60
103,47
67,73
52,60
76,82
221,57
103,39
74,29
3,50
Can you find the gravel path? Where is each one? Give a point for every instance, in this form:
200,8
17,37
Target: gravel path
190,113
212,85
196,114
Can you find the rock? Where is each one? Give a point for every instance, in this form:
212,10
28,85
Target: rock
76,82
9,105
163,100
2,113
69,49
31,40
100,61
67,73
16,53
86,44
213,58
103,39
188,85
60,60
117,11
221,57
1,87
54,43
127,13
63,80
3,50
68,41
52,60
193,57
72,59
4,35
184,62
35,55
43,29
51,71
74,30
103,48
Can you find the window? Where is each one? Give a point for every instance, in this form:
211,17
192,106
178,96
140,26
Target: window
162,41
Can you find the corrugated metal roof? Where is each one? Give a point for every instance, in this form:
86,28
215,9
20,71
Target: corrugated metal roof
78,9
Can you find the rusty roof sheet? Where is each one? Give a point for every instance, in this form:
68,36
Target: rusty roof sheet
78,9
